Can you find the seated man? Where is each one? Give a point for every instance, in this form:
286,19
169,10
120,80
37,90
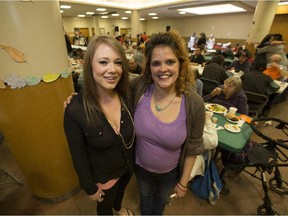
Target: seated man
257,82
242,64
197,57
134,68
215,70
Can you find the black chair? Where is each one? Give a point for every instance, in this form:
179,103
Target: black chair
208,85
256,103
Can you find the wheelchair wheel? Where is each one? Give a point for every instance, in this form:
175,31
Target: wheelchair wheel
277,188
261,210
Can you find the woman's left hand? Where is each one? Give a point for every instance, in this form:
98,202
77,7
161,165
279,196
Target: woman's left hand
180,190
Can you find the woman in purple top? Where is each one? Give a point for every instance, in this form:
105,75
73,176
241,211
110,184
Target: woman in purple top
169,120
229,95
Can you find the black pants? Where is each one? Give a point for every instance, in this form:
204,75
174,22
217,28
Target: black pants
114,196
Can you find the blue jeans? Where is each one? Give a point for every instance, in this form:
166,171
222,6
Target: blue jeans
155,189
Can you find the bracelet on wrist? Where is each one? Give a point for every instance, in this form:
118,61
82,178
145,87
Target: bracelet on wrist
182,185
183,190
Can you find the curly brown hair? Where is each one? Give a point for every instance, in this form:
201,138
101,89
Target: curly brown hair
174,40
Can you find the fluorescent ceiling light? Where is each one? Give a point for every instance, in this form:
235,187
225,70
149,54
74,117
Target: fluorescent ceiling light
81,15
152,14
155,17
213,9
129,4
125,18
104,17
283,3
115,14
182,12
65,6
142,19
128,12
61,11
90,13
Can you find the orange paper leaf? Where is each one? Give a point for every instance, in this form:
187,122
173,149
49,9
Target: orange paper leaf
14,53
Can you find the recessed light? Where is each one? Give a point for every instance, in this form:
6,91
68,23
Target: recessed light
65,6
61,11
90,13
101,9
128,12
115,14
81,15
125,18
155,17
142,19
152,14
104,17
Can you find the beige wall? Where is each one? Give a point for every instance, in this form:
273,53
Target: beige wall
70,23
224,27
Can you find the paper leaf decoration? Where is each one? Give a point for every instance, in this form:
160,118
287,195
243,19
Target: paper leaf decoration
14,53
2,84
65,74
50,77
31,80
15,81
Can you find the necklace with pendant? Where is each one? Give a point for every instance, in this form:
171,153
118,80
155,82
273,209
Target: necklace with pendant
158,108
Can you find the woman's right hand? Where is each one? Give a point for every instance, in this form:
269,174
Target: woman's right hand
68,100
216,91
98,196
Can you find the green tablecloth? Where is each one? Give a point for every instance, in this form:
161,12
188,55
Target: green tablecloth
233,142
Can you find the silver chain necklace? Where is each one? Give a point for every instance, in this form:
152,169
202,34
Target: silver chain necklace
158,108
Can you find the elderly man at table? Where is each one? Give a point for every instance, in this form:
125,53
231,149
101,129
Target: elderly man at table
215,70
229,95
134,67
241,64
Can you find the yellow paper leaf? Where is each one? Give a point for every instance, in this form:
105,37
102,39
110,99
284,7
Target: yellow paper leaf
50,77
14,53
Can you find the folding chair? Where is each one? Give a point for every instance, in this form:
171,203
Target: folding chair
208,85
256,103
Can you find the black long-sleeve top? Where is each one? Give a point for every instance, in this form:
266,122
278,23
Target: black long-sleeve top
98,153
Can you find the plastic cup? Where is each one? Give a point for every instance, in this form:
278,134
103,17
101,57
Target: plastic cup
233,110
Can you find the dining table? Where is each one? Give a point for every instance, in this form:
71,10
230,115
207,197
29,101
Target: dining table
283,86
232,141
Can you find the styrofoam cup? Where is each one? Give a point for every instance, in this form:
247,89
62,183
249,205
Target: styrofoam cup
233,110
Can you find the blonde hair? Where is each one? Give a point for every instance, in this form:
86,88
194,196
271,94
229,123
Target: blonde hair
236,82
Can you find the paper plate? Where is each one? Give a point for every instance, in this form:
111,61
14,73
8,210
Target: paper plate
232,128
216,108
235,122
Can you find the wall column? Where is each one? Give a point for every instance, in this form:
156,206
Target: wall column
261,23
31,117
135,23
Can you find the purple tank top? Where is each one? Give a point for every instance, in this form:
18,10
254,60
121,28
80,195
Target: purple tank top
158,144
